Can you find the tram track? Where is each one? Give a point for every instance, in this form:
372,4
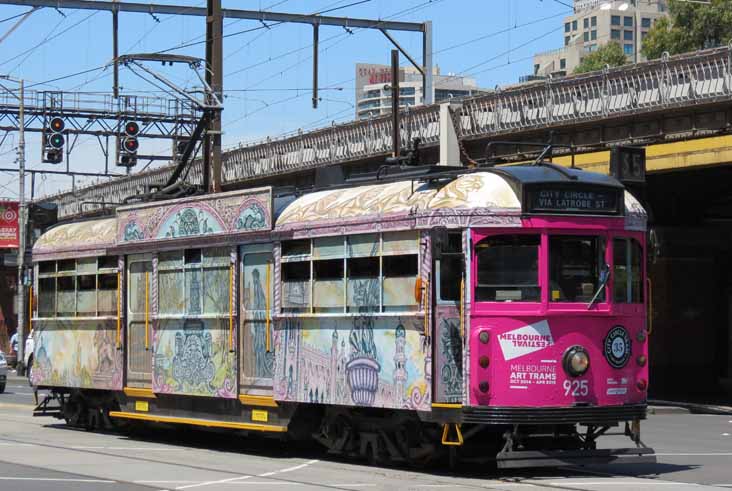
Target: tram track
268,475
235,476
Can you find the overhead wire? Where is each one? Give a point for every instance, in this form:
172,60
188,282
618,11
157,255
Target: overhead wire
467,71
253,29
48,39
19,15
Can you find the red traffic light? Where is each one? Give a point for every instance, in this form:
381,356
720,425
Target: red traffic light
57,125
131,145
132,128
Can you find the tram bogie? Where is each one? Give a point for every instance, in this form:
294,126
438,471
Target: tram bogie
497,315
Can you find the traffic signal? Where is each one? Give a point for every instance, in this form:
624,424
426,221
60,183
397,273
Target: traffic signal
53,141
129,144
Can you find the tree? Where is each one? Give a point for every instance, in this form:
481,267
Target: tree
610,54
690,26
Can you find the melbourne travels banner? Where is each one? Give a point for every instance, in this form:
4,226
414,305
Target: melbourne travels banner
8,224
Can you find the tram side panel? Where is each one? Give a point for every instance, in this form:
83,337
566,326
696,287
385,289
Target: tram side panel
75,325
353,333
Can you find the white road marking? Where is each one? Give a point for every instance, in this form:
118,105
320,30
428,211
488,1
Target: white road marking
351,485
235,480
3,444
645,482
153,449
165,482
211,483
721,454
98,481
271,483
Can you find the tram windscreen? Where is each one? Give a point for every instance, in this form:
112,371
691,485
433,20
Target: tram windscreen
575,263
508,269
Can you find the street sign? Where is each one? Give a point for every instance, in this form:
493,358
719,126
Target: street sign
9,225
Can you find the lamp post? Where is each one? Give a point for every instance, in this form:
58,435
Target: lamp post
22,222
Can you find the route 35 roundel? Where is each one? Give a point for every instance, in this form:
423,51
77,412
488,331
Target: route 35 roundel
617,347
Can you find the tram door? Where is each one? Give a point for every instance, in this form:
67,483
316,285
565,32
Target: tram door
257,345
449,274
139,320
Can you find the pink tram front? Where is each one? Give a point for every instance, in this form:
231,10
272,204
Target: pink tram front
495,312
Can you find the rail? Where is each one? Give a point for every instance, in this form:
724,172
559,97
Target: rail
703,77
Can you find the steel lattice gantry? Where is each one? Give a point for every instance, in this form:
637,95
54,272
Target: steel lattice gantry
99,114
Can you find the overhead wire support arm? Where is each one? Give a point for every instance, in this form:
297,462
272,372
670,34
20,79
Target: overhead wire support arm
398,46
258,15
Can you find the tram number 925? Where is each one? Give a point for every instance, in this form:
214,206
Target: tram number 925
575,388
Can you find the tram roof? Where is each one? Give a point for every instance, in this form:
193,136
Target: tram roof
474,190
78,239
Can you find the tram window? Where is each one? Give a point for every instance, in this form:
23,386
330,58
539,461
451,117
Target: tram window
627,271
508,269
363,267
86,265
450,268
296,286
216,265
107,294
47,267
66,297
295,248
67,265
137,289
86,295
328,285
363,284
46,297
451,275
400,273
107,262
575,263
192,256
170,284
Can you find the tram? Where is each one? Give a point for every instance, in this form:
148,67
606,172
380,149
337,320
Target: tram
495,312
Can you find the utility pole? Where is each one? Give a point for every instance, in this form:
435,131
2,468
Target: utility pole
22,221
22,225
215,80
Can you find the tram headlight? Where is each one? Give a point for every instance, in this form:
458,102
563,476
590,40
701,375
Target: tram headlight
576,361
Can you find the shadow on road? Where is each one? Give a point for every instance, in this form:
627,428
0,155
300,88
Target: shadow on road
257,445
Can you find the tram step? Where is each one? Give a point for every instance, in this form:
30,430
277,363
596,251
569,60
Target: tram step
554,458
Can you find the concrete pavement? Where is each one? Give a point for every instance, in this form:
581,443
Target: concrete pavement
38,454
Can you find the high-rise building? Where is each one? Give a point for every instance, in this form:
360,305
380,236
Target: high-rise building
373,88
596,23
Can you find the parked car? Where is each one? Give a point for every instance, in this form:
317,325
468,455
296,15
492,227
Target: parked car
3,372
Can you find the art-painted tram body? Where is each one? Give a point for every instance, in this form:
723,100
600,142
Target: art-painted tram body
492,311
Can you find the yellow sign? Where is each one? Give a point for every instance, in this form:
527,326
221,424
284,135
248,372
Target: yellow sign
259,415
142,406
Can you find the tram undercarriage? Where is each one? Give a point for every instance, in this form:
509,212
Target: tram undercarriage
389,437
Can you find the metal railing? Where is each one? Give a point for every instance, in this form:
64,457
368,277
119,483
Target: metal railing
703,77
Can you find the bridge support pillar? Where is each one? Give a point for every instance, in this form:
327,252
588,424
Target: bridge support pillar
449,146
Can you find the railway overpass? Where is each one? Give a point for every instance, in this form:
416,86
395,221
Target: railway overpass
679,108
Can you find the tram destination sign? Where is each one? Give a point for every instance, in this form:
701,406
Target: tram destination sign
595,200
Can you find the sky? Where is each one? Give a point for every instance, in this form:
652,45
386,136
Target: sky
267,69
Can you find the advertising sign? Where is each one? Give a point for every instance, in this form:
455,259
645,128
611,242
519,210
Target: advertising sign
8,224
